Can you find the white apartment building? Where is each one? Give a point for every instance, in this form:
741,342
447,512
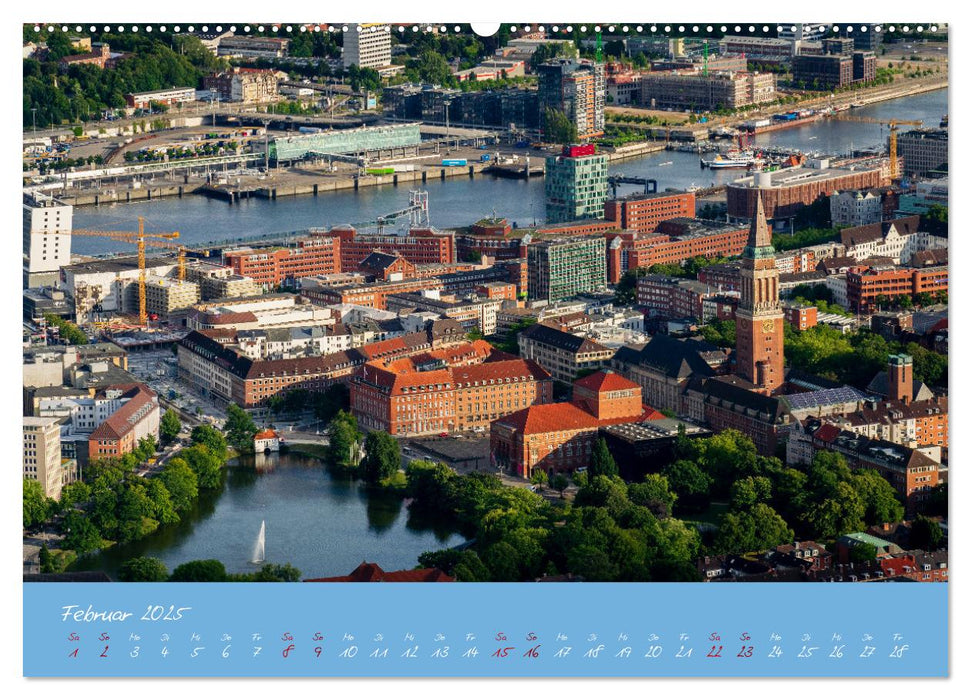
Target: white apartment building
47,239
42,454
856,208
369,47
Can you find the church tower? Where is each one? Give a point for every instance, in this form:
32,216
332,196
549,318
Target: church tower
759,319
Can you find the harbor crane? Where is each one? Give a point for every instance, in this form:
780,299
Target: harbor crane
143,240
892,123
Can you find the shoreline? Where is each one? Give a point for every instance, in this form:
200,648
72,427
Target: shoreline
290,183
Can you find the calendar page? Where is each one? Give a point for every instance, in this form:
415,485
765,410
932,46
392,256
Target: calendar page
532,349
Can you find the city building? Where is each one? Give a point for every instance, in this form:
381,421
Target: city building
912,473
226,375
898,239
665,366
564,267
110,284
172,96
562,354
367,46
424,395
421,246
472,312
46,238
838,66
642,212
313,255
675,241
253,47
388,139
559,437
243,85
164,295
576,184
763,49
697,90
42,460
856,207
801,316
759,318
923,151
786,191
576,88
868,287
98,55
135,415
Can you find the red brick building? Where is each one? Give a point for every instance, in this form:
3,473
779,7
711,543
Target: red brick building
786,191
759,318
801,316
419,396
643,212
315,255
225,375
383,266
137,417
865,284
678,242
422,246
497,290
559,437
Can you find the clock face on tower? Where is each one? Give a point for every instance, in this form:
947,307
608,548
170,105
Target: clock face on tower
768,325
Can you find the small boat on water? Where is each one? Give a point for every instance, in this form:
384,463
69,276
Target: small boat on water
667,162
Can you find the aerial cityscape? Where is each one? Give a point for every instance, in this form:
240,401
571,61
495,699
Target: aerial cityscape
399,302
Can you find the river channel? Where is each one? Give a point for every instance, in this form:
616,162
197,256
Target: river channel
461,201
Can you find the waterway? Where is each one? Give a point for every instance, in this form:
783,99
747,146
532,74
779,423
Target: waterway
323,524
459,201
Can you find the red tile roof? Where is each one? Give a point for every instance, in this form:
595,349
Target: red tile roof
267,434
605,381
550,417
372,573
139,404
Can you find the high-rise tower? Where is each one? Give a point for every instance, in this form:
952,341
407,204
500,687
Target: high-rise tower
758,321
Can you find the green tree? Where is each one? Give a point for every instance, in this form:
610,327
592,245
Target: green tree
272,573
211,438
382,457
752,530
746,492
559,482
878,497
344,440
558,127
181,482
143,569
601,461
239,428
205,465
169,426
37,506
80,534
862,553
200,570
539,477
691,484
163,509
654,493
926,534
75,494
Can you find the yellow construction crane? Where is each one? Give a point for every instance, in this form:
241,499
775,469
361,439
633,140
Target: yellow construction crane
892,123
155,240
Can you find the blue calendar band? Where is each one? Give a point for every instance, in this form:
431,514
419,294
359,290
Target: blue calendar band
484,630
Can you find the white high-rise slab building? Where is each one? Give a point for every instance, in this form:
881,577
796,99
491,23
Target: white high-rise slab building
367,47
42,454
47,239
